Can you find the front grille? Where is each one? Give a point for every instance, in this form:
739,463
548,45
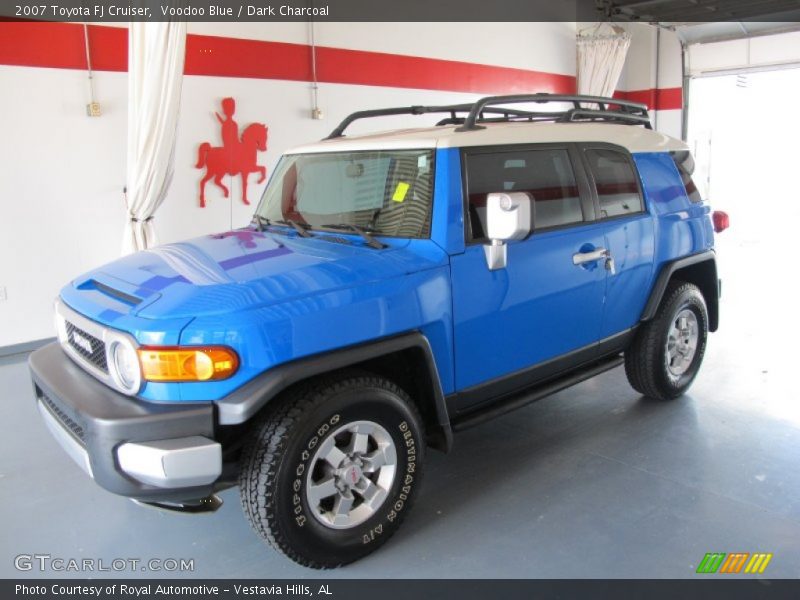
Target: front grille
76,429
89,347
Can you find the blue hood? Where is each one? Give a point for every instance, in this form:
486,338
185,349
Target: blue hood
244,269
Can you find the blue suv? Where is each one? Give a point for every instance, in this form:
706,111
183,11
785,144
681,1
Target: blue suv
391,289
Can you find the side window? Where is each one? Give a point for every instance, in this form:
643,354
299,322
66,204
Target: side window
685,163
545,174
615,181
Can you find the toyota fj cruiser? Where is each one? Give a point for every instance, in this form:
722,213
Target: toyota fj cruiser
391,289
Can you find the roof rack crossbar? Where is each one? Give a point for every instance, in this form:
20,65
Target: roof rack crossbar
607,115
422,110
626,107
522,116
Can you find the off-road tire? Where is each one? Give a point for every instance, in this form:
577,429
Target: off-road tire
281,444
646,358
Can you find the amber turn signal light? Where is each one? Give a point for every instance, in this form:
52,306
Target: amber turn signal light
185,363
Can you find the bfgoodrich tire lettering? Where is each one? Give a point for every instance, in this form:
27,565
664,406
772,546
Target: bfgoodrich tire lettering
653,365
281,448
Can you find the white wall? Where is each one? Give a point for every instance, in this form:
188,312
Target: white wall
654,63
61,206
639,71
61,209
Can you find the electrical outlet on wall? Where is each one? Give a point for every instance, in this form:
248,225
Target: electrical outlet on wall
3,294
93,109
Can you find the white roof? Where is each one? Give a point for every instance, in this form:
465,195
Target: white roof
632,137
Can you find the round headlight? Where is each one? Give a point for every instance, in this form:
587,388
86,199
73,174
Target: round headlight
125,367
61,328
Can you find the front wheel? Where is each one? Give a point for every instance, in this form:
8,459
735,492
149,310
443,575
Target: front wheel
667,352
328,475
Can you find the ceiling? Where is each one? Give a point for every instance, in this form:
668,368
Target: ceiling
698,21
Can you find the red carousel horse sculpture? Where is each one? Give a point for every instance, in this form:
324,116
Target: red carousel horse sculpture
241,159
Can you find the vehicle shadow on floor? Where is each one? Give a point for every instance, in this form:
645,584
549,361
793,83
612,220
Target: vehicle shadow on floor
531,451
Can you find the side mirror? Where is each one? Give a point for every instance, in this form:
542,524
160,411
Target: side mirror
508,217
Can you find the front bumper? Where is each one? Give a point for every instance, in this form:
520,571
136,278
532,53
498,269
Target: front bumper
150,452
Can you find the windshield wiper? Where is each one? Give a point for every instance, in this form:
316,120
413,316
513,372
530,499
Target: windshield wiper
371,241
302,230
260,222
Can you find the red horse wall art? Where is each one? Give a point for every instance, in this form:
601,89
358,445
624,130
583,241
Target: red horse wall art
235,156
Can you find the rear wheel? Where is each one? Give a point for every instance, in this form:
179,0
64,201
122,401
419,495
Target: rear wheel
329,474
667,352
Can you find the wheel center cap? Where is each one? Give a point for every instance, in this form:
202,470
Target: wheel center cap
351,474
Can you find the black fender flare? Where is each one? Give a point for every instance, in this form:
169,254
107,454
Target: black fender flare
666,274
242,404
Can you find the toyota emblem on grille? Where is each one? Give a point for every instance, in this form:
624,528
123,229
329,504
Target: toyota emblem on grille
82,342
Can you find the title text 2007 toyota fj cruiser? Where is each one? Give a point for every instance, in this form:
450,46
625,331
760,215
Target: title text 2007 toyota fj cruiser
392,288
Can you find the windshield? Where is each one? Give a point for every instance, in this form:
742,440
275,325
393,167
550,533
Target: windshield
383,192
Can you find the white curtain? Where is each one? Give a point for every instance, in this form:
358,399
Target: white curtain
601,56
156,54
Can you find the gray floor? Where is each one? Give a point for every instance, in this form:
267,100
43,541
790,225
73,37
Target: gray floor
593,482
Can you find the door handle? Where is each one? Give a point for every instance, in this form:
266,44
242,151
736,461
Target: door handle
587,257
599,254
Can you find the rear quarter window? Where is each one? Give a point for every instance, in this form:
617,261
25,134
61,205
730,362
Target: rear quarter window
615,182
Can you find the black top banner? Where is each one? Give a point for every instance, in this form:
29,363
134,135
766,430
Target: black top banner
110,11
301,10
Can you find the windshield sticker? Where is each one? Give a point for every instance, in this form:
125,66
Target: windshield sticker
400,191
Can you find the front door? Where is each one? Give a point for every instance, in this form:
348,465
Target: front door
542,306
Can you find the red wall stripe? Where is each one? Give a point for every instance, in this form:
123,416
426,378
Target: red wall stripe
231,57
656,99
60,45
234,57
393,70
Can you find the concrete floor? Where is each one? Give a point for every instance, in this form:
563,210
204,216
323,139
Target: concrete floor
595,481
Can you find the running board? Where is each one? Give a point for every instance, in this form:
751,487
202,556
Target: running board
532,394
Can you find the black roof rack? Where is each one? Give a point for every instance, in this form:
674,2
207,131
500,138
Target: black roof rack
486,110
423,110
627,112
